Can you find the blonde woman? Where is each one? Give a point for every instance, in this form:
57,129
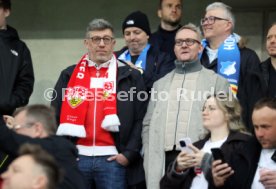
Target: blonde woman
221,118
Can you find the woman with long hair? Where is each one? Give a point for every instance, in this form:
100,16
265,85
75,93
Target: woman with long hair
221,116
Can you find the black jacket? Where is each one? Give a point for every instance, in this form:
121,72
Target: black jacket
164,40
268,78
158,65
171,179
63,151
244,162
16,72
250,68
130,112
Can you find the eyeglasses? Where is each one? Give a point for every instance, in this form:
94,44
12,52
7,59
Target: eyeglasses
211,19
97,40
188,42
208,108
27,125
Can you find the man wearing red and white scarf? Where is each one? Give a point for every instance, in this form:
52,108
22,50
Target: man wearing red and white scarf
88,107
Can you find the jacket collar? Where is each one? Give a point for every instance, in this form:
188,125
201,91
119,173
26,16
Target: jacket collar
182,67
238,136
233,136
123,70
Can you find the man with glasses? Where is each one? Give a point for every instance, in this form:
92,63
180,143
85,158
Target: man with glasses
222,54
139,53
170,13
99,103
36,124
170,118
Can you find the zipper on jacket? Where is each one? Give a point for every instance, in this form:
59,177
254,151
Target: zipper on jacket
95,108
177,116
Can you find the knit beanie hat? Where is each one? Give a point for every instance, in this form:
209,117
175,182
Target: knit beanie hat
137,19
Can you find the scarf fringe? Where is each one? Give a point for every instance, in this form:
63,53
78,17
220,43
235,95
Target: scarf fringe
111,123
71,130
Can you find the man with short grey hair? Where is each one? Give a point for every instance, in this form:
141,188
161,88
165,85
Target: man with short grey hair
89,106
223,54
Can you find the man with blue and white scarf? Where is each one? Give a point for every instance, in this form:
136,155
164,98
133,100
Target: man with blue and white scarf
223,54
139,53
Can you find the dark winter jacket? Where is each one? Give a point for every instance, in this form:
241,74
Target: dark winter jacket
63,151
158,65
269,75
164,40
250,68
130,112
244,162
234,143
16,72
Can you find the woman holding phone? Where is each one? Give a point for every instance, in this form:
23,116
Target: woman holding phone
221,116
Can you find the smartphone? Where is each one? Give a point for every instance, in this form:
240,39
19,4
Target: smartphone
184,142
273,157
218,154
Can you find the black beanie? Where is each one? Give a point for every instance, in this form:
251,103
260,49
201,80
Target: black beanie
137,19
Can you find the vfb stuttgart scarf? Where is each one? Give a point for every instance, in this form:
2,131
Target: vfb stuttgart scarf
77,96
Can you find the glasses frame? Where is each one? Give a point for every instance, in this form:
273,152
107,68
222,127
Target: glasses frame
107,40
211,19
19,126
188,41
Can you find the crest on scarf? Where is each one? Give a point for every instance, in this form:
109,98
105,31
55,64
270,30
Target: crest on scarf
76,96
228,68
108,88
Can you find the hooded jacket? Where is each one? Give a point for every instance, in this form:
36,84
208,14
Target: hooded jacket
16,72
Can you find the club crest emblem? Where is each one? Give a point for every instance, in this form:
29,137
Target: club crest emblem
228,68
108,88
76,96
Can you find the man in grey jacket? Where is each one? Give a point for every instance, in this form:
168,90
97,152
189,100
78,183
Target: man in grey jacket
174,110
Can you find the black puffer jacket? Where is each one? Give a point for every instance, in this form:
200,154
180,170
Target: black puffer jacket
16,72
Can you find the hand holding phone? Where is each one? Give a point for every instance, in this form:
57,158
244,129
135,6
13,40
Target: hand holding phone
184,142
218,154
273,157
